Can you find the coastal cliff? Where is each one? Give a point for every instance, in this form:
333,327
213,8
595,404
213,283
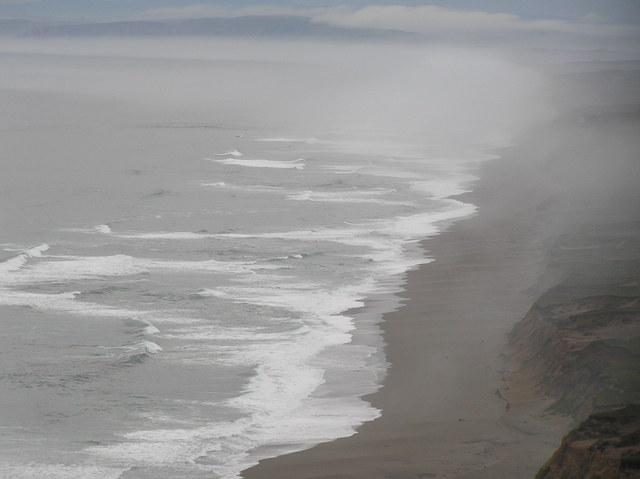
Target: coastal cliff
583,353
605,446
578,347
582,350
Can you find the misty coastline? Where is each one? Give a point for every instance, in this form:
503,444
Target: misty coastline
295,245
534,203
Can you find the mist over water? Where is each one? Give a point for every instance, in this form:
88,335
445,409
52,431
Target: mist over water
189,224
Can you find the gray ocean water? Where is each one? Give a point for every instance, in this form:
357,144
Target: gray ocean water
187,244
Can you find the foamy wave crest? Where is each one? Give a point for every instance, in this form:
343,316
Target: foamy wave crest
370,170
346,197
416,227
43,301
308,141
282,403
162,235
247,188
102,229
384,241
405,228
291,256
207,265
211,293
147,347
295,164
149,328
234,153
67,268
139,352
69,303
279,406
17,262
231,447
35,470
440,188
232,267
317,306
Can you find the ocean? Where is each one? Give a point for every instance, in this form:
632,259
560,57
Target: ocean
197,251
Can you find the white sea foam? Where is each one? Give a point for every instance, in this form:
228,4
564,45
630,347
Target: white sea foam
234,153
168,235
214,293
308,141
440,188
227,354
295,164
424,224
346,197
291,256
344,169
147,347
318,306
35,470
238,267
388,172
65,302
280,408
248,188
403,228
17,262
102,229
278,402
316,420
150,329
371,170
231,447
67,268
69,303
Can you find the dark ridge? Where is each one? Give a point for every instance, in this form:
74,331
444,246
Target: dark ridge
15,26
274,26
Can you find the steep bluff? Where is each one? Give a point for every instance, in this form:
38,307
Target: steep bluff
583,353
605,446
578,347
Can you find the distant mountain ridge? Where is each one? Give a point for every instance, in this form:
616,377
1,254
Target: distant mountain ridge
276,26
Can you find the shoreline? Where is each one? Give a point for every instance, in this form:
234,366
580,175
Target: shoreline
452,403
442,411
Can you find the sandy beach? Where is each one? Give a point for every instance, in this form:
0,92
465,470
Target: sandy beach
442,413
447,410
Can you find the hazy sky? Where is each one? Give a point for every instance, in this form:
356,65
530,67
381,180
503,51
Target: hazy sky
614,11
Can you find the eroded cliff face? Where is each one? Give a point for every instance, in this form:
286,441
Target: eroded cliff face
584,352
605,446
578,348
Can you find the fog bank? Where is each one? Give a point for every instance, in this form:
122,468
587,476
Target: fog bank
369,87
